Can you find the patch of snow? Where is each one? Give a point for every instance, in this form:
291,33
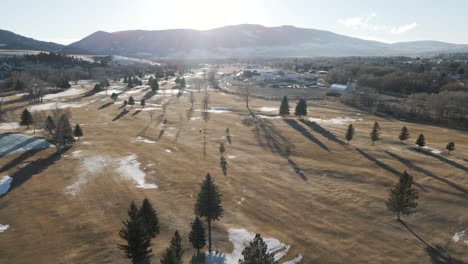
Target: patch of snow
142,139
9,126
5,183
69,92
240,239
334,121
3,228
148,109
218,110
195,118
295,260
86,143
231,157
130,169
433,150
267,116
168,150
91,167
268,109
31,131
458,236
76,153
395,149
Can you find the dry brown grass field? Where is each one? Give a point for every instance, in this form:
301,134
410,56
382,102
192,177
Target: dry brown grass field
334,214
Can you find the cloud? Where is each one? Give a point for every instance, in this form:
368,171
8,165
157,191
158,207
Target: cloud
365,23
405,28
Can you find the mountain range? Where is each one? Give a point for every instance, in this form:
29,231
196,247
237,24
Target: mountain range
245,40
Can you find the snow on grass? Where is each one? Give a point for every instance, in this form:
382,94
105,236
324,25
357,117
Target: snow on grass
142,139
130,169
295,260
32,131
9,126
334,121
268,109
267,116
459,235
240,239
3,228
5,183
433,150
50,106
76,153
147,109
195,118
217,110
168,150
69,92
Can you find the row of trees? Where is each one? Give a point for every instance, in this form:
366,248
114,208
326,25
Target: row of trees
404,135
301,108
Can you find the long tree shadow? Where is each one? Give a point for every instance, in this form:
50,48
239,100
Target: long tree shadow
120,115
35,167
149,95
268,136
19,159
435,253
136,112
410,165
294,124
386,167
105,105
317,128
430,154
297,170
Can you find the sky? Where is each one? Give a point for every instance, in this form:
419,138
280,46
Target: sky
66,21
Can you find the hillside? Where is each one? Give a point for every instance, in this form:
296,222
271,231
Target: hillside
10,40
249,41
69,208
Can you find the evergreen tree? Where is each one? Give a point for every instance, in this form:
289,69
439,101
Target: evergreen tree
402,197
284,108
169,257
125,80
450,147
143,103
26,118
404,134
176,246
421,142
137,245
131,101
375,132
208,204
223,164
125,102
50,125
182,82
222,149
301,108
97,88
150,218
197,235
257,253
350,133
130,83
78,132
114,97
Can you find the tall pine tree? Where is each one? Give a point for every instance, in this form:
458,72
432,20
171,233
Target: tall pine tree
402,197
26,118
208,204
137,245
404,134
257,253
284,108
78,132
150,218
197,235
176,246
131,101
375,132
301,108
350,133
421,141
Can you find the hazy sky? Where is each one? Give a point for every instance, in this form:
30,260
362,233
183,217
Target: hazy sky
65,21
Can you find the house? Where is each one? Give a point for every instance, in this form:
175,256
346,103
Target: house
342,87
